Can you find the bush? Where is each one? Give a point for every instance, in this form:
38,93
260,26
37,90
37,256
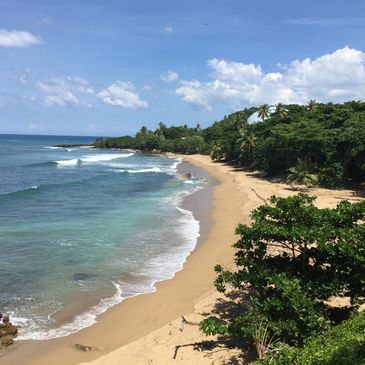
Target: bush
341,345
290,262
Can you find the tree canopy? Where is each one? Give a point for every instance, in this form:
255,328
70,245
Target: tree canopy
326,141
290,262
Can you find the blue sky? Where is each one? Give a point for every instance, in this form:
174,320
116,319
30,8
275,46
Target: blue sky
108,67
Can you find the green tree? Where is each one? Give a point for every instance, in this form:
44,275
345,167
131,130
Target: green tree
280,110
264,111
303,173
290,262
162,128
312,105
217,152
247,144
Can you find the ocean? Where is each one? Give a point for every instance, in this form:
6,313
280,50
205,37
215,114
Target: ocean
81,229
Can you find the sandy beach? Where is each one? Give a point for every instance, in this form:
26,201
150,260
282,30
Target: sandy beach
148,329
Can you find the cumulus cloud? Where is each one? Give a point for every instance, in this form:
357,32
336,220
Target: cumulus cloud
337,76
168,30
170,76
122,94
61,91
18,39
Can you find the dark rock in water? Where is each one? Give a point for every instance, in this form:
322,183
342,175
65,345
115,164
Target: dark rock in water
11,329
1,315
80,276
7,331
83,347
188,175
6,340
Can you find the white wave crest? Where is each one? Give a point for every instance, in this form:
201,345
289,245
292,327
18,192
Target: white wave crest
171,262
178,162
152,169
93,159
83,320
105,157
73,162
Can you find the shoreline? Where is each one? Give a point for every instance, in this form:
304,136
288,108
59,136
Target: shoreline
130,330
39,352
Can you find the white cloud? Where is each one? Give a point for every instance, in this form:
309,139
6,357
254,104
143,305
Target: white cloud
235,71
122,94
170,76
62,99
23,76
168,30
58,84
337,76
61,90
17,38
147,87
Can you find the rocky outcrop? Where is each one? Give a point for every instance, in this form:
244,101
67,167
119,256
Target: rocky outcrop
7,330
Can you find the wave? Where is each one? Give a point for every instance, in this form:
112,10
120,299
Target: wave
21,191
175,164
162,267
152,169
93,159
74,162
81,321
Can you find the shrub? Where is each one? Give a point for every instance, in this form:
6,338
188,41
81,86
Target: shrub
341,345
290,261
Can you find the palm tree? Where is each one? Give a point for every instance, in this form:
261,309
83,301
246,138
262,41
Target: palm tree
312,105
144,130
217,153
303,173
162,128
280,110
247,143
247,140
264,111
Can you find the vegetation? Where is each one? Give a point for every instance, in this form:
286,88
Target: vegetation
290,262
165,139
311,144
341,345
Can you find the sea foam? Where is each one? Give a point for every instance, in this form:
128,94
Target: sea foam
93,159
139,171
160,267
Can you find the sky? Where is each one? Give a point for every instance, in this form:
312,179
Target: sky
108,67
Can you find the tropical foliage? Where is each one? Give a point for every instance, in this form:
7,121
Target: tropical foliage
290,262
314,143
341,345
303,173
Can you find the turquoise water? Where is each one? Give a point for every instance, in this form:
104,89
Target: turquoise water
81,229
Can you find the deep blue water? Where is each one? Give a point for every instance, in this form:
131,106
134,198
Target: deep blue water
81,229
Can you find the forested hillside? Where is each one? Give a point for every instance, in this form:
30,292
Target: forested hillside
311,144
